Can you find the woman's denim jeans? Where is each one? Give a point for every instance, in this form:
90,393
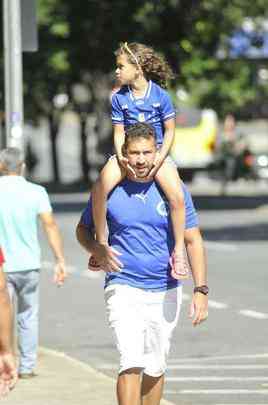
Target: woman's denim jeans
25,286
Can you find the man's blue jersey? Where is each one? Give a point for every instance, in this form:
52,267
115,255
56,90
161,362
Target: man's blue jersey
140,229
154,108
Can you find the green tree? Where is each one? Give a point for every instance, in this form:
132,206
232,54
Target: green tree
77,41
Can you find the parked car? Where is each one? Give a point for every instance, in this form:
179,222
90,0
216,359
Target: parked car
195,140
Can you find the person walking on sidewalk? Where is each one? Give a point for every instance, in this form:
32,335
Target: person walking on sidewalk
8,371
22,204
142,298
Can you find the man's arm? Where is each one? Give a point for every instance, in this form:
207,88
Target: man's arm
197,258
86,238
105,255
5,316
8,371
55,241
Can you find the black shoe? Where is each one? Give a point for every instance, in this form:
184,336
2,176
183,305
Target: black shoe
25,376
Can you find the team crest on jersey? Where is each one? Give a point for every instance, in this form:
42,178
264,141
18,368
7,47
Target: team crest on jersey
141,117
124,107
156,105
163,208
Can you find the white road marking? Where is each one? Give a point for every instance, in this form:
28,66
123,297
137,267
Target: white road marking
253,314
213,358
217,305
221,246
218,367
186,297
111,366
216,379
107,366
217,392
211,303
47,265
91,274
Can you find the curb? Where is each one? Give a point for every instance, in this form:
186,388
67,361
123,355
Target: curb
85,367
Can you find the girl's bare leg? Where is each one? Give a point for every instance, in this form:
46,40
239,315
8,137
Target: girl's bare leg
170,182
110,176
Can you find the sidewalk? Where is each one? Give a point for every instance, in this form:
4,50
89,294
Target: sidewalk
64,380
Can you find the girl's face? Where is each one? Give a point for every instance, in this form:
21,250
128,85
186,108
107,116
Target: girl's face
125,72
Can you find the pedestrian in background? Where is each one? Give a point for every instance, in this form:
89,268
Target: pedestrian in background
22,204
232,151
8,371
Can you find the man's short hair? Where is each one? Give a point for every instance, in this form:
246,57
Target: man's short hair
11,160
139,130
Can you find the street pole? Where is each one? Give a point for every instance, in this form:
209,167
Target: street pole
13,73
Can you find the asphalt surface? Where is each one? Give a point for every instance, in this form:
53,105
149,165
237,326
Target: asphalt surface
223,361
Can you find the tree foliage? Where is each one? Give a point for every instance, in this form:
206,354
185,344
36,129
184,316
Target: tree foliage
77,41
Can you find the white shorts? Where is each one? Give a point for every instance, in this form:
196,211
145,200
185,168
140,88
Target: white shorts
142,323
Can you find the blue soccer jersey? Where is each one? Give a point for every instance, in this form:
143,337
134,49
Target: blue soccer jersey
154,108
140,229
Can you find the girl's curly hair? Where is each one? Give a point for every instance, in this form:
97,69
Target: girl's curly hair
153,65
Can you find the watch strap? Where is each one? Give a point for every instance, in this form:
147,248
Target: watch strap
203,289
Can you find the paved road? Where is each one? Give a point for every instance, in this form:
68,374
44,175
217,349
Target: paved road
224,361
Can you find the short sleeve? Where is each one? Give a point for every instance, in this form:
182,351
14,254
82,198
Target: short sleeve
167,108
1,257
43,201
117,114
87,217
191,217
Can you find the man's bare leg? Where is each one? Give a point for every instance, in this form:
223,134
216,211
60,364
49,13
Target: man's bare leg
129,387
152,389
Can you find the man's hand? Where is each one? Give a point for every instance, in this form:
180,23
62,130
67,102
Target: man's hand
199,308
60,273
8,373
106,256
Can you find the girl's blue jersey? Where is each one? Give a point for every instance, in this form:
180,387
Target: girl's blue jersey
154,108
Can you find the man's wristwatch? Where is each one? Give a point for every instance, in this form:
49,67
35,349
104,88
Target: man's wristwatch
203,289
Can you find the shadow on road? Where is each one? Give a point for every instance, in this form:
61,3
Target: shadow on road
229,202
257,231
239,233
201,202
68,207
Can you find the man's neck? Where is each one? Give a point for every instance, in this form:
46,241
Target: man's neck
139,179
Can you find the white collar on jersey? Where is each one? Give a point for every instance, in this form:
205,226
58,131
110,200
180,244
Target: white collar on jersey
147,93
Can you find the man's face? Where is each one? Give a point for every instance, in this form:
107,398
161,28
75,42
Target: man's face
141,155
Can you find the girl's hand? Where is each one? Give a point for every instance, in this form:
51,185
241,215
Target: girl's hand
156,166
123,161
